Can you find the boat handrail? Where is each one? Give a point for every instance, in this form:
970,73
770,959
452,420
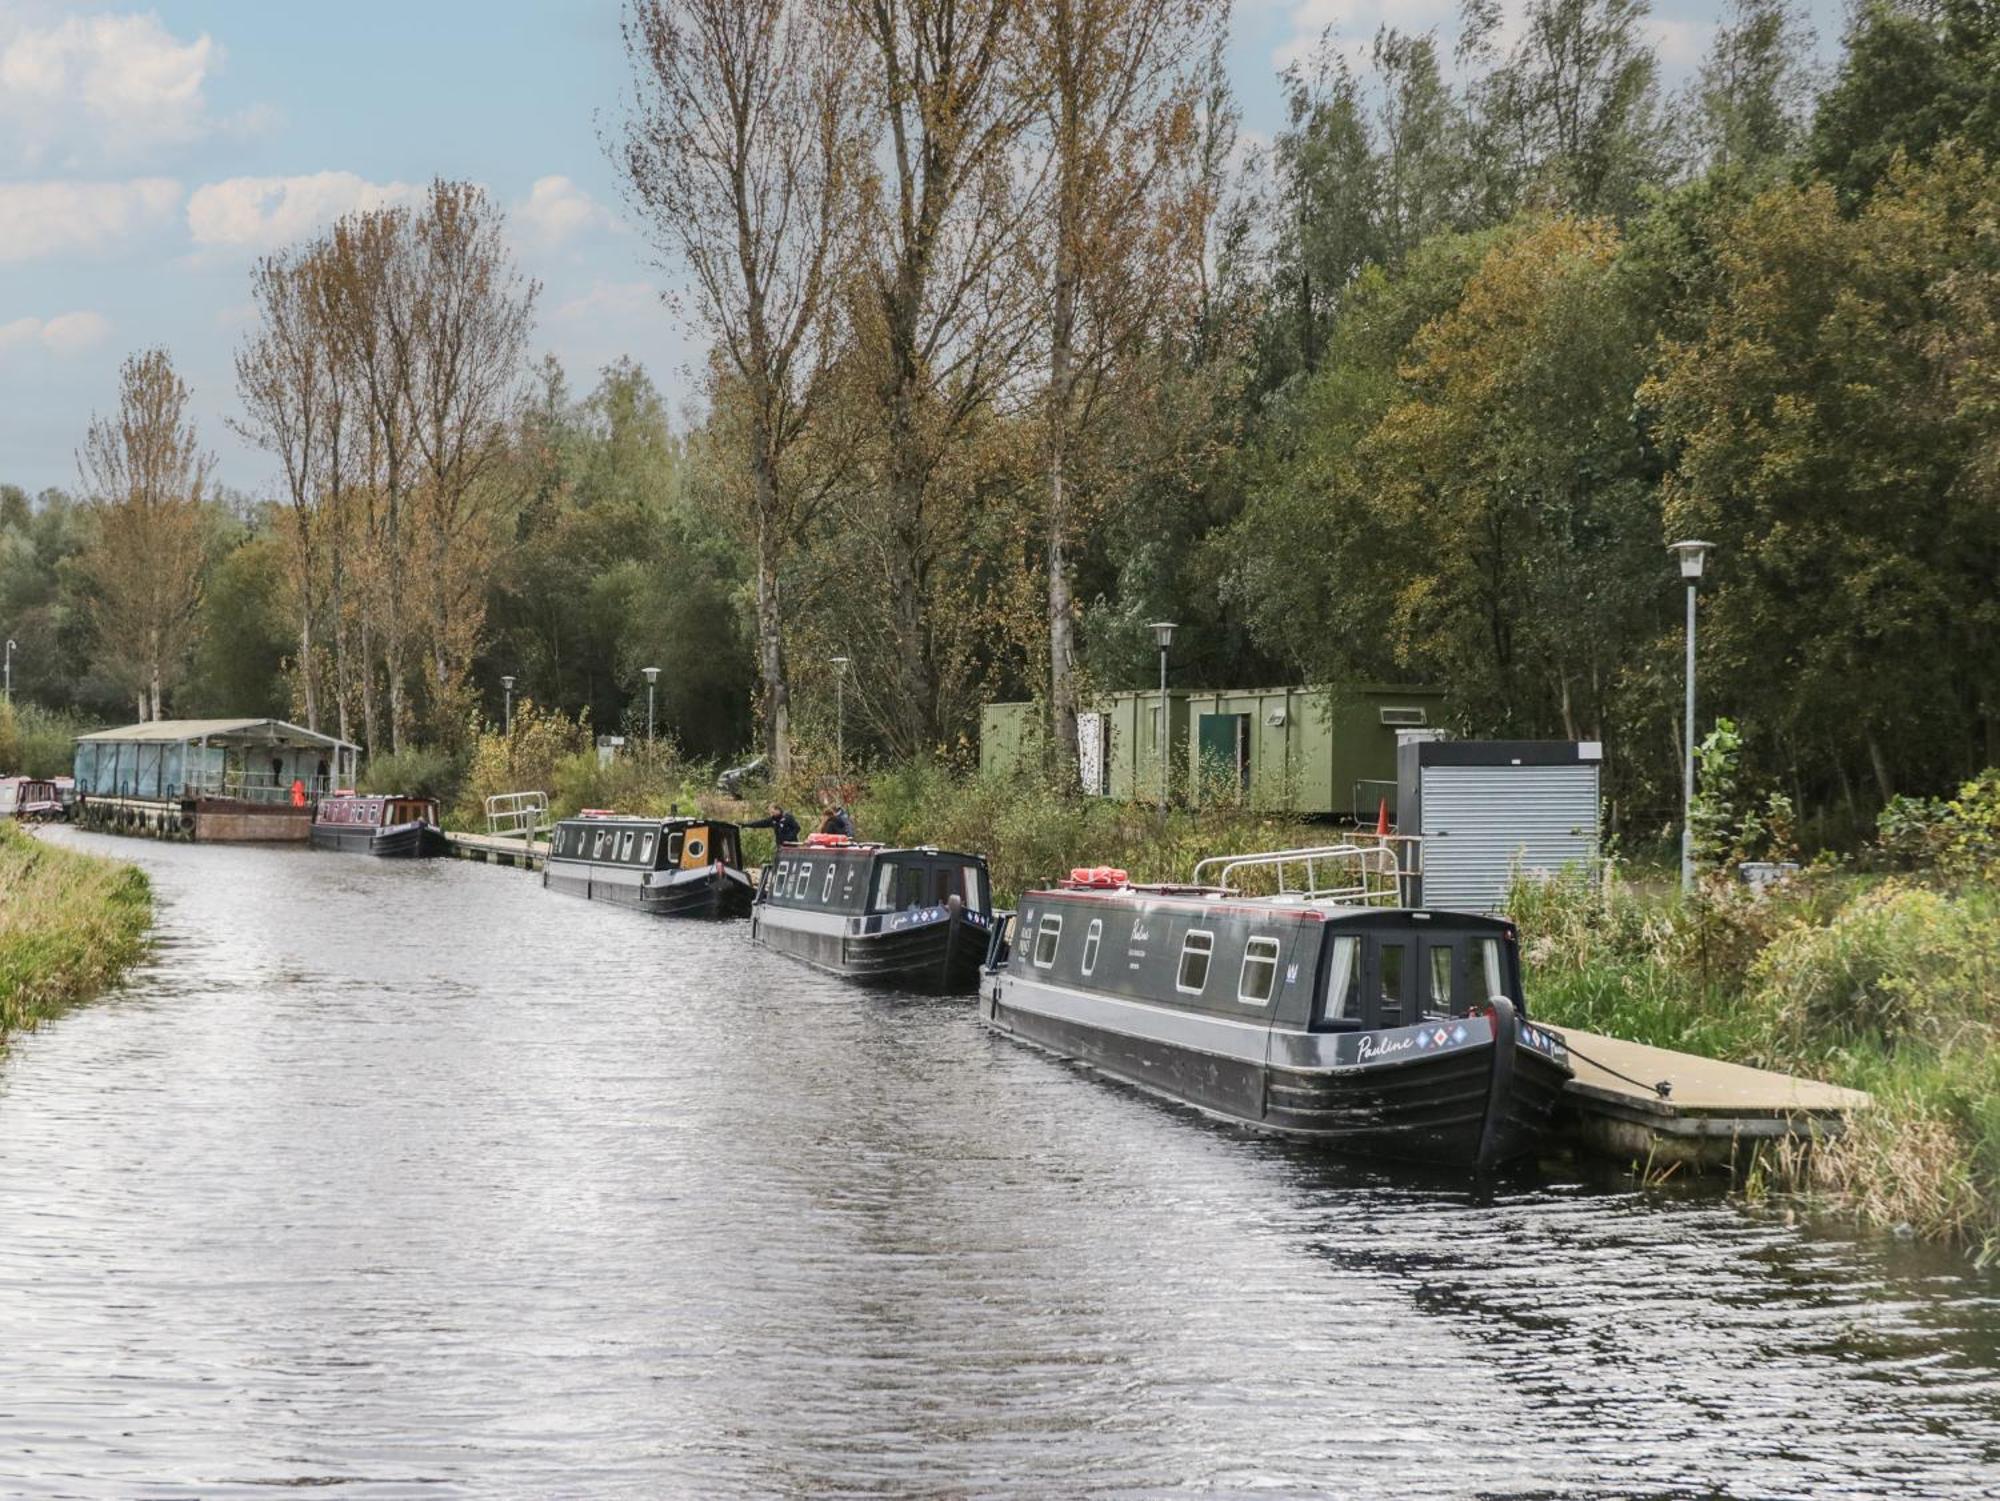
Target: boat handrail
1365,871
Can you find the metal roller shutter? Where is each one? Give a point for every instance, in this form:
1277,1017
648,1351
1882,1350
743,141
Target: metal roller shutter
1480,821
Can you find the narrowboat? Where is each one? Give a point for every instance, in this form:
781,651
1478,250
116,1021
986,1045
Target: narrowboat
1322,1012
919,918
673,867
403,828
36,799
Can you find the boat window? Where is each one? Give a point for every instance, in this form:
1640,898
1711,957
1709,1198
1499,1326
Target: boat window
1260,971
1391,963
599,844
1493,967
784,875
899,886
802,883
1093,939
646,842
725,847
673,847
1343,993
1195,951
826,886
1047,937
975,888
1441,957
625,841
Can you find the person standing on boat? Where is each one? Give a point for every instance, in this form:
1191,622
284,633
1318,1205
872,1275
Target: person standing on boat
782,825
837,821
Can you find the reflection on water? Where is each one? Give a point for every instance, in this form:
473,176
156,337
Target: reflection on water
400,1177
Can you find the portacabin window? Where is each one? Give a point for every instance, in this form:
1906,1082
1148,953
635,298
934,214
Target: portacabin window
1093,940
803,882
1196,950
1047,937
1259,976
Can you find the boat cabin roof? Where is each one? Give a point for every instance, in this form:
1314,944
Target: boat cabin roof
859,847
592,817
1217,899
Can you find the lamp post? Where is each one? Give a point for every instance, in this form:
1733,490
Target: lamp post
507,686
1163,636
839,718
652,677
1691,555
10,670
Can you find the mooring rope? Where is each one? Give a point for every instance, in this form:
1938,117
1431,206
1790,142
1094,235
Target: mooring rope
1664,1088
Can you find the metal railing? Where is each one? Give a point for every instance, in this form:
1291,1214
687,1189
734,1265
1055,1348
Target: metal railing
1368,871
252,787
522,815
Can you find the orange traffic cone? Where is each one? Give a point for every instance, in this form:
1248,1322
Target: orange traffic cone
1382,820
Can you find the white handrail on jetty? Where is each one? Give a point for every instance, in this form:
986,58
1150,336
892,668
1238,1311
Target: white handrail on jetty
523,815
1369,871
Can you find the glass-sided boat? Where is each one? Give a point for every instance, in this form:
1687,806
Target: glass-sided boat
673,867
395,826
1293,993
916,917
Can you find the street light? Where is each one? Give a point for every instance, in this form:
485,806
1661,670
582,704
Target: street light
839,718
1691,555
507,683
1163,635
652,677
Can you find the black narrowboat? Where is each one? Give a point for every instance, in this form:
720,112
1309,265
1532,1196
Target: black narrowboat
404,828
919,918
671,867
1380,1029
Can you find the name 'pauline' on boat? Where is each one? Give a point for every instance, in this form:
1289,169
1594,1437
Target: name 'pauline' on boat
1324,1011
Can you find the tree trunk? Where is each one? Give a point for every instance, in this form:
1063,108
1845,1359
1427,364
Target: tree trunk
771,652
306,666
1062,624
366,663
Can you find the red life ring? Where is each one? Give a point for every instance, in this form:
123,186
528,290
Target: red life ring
1097,877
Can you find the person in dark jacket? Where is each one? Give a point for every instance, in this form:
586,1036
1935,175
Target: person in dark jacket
782,825
837,821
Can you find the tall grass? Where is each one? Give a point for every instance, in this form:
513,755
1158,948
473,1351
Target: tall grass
69,925
1886,985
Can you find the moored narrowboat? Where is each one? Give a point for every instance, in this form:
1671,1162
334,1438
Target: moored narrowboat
918,917
1319,1012
393,826
36,799
672,867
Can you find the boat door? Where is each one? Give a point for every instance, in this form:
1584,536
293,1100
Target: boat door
1437,966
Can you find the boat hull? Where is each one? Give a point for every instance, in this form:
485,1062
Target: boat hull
410,841
1482,1093
941,953
704,893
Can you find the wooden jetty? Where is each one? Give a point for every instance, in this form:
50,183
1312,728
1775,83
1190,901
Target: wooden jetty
498,849
1710,1111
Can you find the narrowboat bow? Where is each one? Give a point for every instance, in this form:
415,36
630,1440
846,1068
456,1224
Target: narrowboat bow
671,867
400,828
917,917
1325,1013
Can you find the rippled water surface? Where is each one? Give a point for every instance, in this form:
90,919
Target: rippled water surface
406,1179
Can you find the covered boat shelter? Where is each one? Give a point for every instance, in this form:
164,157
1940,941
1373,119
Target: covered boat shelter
210,778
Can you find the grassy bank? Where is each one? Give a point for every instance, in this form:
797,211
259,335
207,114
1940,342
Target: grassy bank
70,924
1886,982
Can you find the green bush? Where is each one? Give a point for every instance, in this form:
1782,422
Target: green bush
522,761
422,771
42,740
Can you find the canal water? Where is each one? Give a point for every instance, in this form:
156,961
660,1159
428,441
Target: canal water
413,1180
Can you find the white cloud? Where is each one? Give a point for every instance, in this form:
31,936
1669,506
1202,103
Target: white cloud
611,303
66,333
556,211
258,213
102,87
69,218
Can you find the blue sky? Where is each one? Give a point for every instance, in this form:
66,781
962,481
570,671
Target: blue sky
147,156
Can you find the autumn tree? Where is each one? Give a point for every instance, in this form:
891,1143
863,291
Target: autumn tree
739,149
1120,119
940,322
145,473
